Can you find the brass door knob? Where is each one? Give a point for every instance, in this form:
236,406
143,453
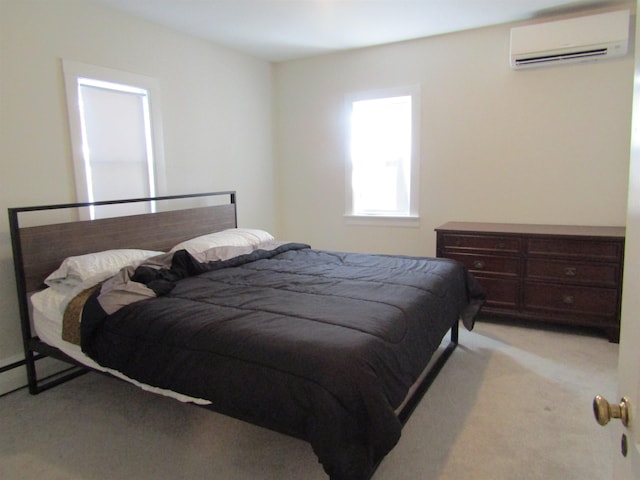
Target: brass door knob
604,411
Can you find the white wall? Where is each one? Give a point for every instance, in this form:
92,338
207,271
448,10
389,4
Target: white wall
216,107
539,146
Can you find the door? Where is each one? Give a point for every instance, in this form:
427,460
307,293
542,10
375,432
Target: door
628,467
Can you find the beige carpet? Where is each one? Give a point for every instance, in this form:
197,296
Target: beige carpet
511,403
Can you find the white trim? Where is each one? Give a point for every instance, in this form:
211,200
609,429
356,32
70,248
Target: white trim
72,71
383,221
16,378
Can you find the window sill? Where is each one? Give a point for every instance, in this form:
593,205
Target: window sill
381,220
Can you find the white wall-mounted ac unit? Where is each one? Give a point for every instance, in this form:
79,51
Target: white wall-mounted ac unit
591,37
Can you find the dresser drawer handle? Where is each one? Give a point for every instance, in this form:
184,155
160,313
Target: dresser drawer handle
478,264
501,245
570,271
567,299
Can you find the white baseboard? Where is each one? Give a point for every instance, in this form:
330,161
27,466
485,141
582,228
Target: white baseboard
17,377
14,378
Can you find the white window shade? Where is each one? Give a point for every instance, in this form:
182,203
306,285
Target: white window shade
116,154
381,156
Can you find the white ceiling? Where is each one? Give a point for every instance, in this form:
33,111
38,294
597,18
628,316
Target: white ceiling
277,30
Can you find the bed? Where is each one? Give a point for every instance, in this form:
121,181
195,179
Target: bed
329,347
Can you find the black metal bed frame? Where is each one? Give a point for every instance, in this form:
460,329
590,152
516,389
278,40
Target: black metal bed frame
35,349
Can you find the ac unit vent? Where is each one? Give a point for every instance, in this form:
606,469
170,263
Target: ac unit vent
561,56
592,37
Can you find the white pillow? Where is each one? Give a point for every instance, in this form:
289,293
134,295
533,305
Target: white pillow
233,237
96,266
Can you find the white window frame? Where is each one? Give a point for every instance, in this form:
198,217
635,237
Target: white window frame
73,71
412,219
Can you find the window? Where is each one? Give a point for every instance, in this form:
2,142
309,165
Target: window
383,154
115,135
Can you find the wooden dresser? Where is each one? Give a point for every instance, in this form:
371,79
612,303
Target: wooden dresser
543,273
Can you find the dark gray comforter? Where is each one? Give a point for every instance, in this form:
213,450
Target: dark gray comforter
316,344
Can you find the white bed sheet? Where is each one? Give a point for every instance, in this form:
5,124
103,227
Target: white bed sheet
47,311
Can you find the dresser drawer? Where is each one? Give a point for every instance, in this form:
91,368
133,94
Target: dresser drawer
601,274
487,243
484,264
601,302
501,293
601,250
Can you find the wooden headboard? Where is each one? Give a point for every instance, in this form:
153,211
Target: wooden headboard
39,250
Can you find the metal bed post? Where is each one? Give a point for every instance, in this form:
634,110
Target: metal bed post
23,308
431,375
29,342
422,389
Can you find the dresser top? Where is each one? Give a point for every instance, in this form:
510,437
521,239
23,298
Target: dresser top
532,229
